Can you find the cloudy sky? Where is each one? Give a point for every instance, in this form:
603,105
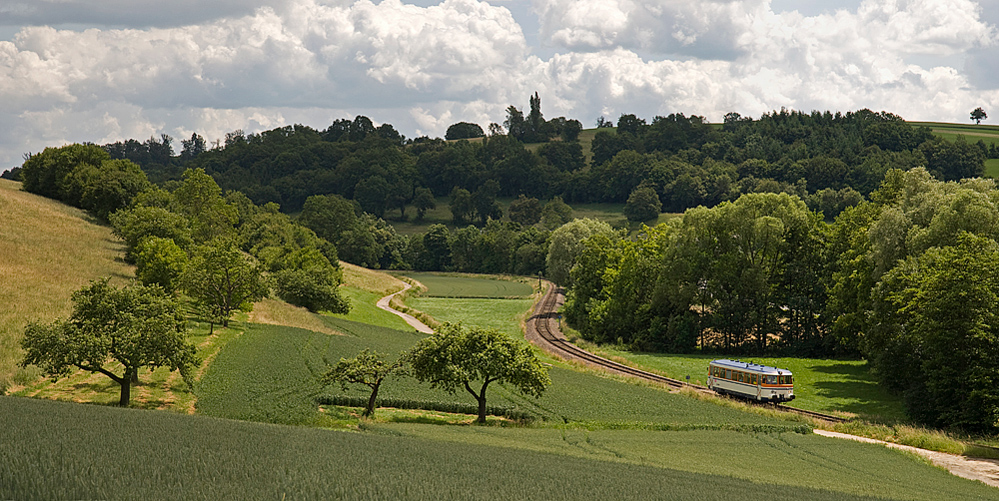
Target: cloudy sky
106,70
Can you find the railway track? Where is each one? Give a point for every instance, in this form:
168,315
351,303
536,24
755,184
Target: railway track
543,330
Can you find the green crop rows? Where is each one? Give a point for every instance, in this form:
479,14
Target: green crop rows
110,453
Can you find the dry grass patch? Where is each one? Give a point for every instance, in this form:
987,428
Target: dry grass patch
274,312
370,280
49,250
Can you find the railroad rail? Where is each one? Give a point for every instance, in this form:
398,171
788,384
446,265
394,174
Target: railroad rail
543,329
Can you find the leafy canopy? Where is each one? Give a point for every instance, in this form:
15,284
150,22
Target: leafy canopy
113,329
454,357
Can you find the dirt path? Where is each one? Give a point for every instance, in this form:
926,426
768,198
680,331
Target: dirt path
983,470
383,303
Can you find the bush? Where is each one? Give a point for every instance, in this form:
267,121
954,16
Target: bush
314,289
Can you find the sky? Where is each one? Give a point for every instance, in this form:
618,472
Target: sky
108,70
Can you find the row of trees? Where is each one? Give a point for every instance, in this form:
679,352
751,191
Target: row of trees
191,246
687,161
907,280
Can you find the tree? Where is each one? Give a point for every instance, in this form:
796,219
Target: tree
423,201
526,211
160,261
191,148
516,126
461,206
643,204
978,115
463,130
942,309
555,213
315,289
566,245
221,280
134,225
484,200
454,357
129,328
199,198
629,123
368,368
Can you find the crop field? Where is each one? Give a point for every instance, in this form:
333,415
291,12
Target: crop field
793,460
452,286
210,458
269,374
503,315
971,132
822,385
48,251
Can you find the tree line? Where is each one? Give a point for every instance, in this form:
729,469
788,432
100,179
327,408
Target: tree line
907,279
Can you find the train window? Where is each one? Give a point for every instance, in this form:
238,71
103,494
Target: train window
741,375
728,374
754,379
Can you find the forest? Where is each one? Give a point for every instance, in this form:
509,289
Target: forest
809,234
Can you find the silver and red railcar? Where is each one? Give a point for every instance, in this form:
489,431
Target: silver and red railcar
753,381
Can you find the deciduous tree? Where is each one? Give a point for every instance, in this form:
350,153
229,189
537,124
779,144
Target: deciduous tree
455,357
978,114
368,368
112,330
222,280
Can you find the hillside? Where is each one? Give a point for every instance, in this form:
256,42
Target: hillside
49,250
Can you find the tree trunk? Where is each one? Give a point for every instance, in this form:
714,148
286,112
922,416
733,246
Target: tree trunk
370,410
126,389
482,409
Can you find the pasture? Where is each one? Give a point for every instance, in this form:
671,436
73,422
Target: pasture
49,250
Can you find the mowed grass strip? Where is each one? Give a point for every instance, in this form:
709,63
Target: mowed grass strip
465,286
110,453
47,251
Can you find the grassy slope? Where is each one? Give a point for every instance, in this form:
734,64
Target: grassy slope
49,250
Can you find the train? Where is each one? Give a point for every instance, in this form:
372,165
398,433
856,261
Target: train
753,381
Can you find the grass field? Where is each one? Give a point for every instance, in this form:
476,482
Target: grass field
48,251
823,385
992,168
457,286
109,453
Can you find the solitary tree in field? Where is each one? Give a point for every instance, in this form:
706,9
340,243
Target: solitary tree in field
113,330
978,115
454,358
368,368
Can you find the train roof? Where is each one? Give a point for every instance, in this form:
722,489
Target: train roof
749,366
